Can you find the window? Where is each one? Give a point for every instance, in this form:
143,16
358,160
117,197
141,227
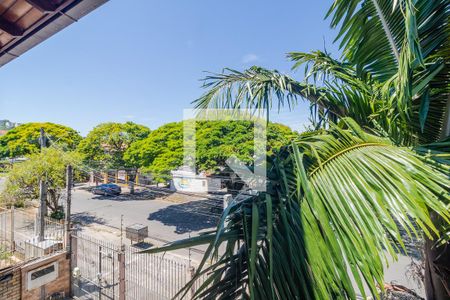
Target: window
41,276
42,272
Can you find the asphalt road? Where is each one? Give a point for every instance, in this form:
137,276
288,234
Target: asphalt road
166,221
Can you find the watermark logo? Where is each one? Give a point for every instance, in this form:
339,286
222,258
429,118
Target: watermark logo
254,176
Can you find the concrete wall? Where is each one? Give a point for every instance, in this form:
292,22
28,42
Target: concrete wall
10,283
59,284
189,184
188,181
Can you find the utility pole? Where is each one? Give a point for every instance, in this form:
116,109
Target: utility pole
69,184
42,140
42,198
131,179
42,194
121,259
12,239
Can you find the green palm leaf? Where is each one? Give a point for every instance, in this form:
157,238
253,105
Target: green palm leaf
372,32
331,212
401,43
321,66
254,88
348,95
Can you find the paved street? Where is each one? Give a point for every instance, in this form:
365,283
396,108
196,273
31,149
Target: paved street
166,221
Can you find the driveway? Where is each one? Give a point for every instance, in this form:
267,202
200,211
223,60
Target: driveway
167,221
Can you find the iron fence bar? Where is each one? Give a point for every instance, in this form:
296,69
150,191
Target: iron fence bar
147,276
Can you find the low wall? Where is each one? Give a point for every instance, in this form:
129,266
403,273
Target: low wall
49,276
10,283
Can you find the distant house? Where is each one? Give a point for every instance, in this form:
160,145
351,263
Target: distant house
184,179
6,125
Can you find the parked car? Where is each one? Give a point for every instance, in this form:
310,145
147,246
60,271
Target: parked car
108,189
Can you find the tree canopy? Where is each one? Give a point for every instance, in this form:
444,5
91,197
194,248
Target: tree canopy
105,145
216,141
23,179
24,139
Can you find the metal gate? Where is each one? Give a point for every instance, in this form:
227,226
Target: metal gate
95,269
101,270
153,277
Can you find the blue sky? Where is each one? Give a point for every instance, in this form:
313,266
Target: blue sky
142,62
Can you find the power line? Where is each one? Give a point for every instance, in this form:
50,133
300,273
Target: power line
87,169
54,143
213,201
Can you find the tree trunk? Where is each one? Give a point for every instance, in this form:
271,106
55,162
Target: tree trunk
437,259
52,199
437,267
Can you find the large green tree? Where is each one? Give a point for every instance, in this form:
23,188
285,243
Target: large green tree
162,151
379,160
159,153
22,180
25,139
105,145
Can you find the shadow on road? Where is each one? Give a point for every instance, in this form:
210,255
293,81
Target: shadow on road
86,218
187,217
142,245
141,195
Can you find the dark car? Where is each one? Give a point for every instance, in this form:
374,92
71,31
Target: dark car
108,189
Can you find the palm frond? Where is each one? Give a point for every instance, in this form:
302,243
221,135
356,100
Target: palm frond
372,32
322,67
363,99
364,38
347,94
333,205
255,88
437,93
436,154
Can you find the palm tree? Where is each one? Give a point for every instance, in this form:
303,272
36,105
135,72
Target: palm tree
377,160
